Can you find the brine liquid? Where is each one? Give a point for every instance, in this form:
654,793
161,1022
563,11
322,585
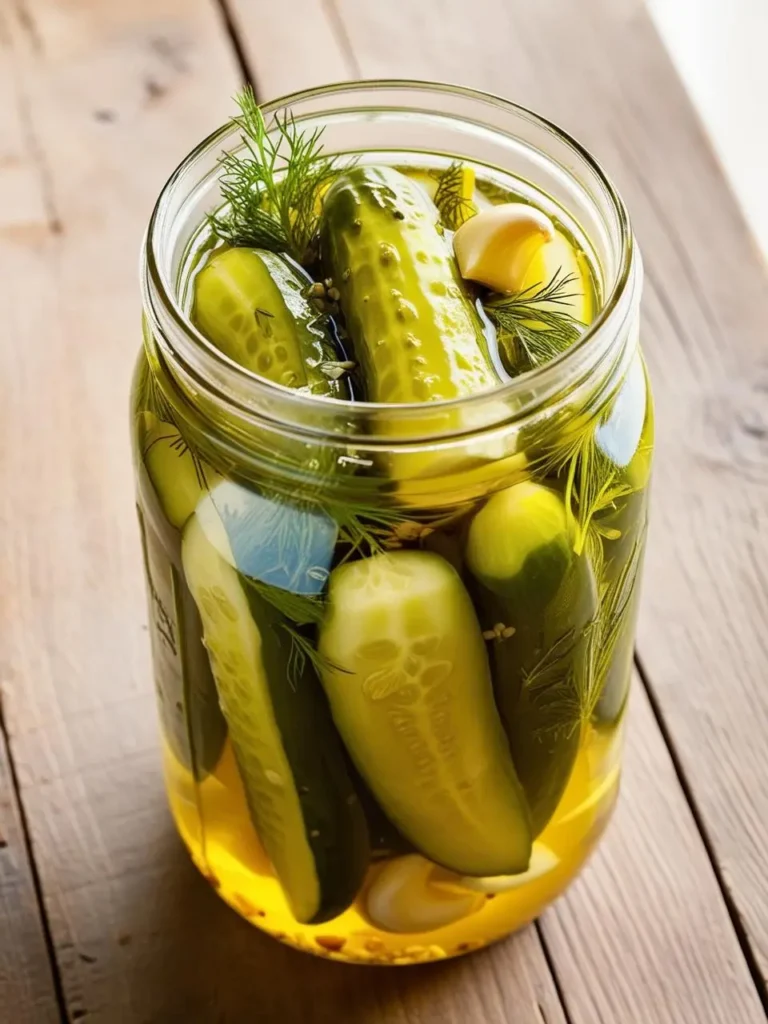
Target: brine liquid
213,821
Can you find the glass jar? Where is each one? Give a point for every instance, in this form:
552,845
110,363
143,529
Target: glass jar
393,644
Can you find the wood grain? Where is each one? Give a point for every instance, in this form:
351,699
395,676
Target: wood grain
27,990
599,69
112,98
643,937
299,45
112,95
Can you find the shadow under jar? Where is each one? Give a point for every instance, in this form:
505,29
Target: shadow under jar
392,643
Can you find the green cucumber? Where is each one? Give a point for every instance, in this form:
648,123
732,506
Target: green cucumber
413,327
544,723
170,483
299,793
179,477
188,704
407,677
536,601
518,545
254,306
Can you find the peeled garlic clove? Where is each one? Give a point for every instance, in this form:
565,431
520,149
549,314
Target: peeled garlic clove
558,256
402,898
497,246
542,861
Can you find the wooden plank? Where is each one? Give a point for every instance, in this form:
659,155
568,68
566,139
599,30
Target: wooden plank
113,96
301,45
599,69
27,992
643,937
27,989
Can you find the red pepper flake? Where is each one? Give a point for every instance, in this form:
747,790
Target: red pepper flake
333,943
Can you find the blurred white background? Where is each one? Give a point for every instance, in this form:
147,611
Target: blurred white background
720,48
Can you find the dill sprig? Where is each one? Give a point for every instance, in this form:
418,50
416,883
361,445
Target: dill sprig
552,686
530,331
592,480
610,624
295,613
451,199
566,683
271,191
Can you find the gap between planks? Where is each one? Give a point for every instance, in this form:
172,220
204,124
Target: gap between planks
32,941
735,917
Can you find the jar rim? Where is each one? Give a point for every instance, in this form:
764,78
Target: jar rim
242,387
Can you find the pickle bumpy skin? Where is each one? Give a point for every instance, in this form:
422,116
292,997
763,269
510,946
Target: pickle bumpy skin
413,327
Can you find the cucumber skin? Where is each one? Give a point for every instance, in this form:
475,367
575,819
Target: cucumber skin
413,327
191,718
544,747
281,313
329,802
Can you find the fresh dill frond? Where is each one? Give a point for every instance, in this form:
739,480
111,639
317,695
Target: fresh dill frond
272,189
301,609
595,553
294,613
452,200
551,686
592,479
530,332
610,625
364,529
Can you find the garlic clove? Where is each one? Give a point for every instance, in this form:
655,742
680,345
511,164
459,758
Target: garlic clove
497,246
403,899
557,255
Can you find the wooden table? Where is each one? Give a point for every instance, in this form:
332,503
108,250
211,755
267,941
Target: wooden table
102,918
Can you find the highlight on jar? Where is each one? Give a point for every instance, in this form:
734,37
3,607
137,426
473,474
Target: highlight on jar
392,432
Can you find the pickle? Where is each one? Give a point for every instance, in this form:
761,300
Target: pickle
407,676
546,663
414,329
191,719
254,306
171,483
299,793
536,599
518,546
178,476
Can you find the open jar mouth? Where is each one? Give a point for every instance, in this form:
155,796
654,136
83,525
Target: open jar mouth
394,114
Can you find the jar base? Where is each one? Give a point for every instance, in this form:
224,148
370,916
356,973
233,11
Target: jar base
229,856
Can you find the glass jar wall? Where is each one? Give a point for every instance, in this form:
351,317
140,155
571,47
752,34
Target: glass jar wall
392,644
